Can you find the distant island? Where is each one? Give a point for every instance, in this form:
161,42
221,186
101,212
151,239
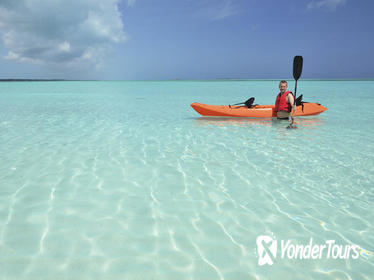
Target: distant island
32,80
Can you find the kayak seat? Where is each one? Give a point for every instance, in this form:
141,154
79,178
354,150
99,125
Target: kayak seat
249,102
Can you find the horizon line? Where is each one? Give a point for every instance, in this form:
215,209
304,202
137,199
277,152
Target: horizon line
177,79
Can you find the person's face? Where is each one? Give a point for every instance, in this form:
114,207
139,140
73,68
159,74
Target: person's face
283,87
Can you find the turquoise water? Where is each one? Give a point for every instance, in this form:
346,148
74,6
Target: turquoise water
123,180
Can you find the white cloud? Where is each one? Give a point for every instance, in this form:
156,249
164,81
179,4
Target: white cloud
64,47
131,3
328,4
226,9
60,33
12,56
217,9
87,55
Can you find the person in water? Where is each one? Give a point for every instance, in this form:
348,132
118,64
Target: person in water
284,103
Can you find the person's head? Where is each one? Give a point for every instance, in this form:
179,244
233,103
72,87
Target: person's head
283,86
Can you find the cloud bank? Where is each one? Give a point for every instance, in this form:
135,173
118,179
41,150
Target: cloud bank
60,33
328,4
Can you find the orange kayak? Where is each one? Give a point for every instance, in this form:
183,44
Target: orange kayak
257,111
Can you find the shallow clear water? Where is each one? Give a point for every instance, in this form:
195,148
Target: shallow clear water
123,180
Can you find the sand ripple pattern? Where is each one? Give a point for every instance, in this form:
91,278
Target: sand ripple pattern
93,188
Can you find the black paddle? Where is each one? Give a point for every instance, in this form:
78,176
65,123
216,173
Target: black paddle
297,69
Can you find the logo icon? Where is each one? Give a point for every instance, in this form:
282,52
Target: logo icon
266,249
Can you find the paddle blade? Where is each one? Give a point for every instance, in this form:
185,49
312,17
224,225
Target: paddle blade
297,66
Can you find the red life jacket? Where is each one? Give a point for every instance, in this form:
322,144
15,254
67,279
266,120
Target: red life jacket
281,103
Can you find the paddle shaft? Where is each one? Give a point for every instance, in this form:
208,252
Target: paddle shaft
297,69
294,104
294,97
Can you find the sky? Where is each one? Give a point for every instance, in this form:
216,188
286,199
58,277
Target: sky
185,39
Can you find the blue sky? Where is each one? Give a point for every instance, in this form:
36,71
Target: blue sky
186,39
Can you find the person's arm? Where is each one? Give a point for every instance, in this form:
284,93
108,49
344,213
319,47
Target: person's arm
291,101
